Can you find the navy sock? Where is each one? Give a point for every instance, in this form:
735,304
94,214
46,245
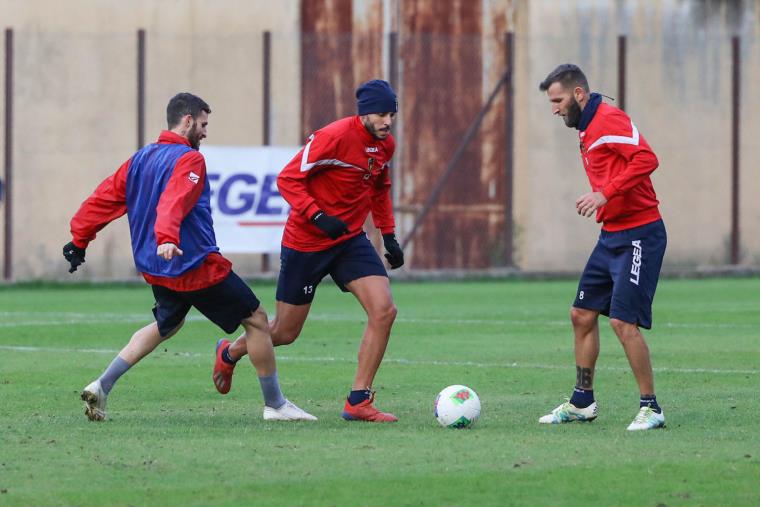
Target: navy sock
359,396
226,356
582,398
651,401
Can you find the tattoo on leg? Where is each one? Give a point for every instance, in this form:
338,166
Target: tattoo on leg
584,377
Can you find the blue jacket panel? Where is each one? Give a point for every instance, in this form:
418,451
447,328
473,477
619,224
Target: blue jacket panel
149,172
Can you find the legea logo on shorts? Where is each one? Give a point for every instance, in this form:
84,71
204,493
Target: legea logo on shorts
636,263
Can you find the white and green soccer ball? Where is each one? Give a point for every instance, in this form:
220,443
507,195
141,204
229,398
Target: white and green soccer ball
457,407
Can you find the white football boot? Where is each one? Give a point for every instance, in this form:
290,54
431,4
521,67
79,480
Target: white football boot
94,401
647,419
287,412
567,412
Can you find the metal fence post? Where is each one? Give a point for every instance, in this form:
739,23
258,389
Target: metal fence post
622,63
140,88
735,137
8,251
266,111
509,122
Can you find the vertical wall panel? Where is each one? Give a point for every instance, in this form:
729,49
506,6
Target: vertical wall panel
326,62
368,41
498,162
443,92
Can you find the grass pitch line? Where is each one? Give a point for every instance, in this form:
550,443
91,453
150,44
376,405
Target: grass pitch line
60,318
391,360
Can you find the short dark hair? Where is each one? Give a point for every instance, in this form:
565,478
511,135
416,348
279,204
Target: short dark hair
183,104
568,75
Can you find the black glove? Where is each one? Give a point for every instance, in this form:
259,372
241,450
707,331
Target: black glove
330,225
74,255
395,255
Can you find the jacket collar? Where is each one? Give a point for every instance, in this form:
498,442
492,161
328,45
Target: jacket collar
169,137
589,111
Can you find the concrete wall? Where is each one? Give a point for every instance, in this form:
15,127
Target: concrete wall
679,96
75,109
75,102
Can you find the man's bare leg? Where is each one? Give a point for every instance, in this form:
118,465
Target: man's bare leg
637,351
586,330
142,343
374,294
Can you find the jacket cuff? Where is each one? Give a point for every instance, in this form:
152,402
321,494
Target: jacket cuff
311,209
609,192
161,239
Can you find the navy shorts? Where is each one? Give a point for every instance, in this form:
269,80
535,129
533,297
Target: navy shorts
225,304
301,272
621,275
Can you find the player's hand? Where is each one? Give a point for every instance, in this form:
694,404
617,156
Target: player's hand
395,255
330,225
74,255
167,251
587,204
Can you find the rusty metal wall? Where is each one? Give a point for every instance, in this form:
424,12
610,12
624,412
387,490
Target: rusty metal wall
342,46
445,84
448,64
326,62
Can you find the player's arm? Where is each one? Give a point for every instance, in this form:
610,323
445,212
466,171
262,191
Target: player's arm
318,153
382,217
382,207
640,163
107,203
180,195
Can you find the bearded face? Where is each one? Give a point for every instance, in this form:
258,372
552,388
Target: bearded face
565,103
378,124
573,115
195,135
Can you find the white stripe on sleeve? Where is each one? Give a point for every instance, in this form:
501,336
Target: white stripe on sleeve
634,139
305,166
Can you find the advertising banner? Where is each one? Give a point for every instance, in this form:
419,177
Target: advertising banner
249,213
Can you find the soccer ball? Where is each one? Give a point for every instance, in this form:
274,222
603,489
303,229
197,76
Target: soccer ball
457,407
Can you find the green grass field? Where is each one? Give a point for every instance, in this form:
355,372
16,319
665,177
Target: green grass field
172,440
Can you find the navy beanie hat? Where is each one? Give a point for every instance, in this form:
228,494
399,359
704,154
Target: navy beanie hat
376,96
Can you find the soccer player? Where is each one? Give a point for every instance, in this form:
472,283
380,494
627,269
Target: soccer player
164,191
332,184
621,275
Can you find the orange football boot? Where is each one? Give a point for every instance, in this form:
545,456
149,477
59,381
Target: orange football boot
222,371
366,411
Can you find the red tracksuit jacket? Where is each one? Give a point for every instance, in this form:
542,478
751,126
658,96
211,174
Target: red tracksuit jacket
108,202
343,171
618,162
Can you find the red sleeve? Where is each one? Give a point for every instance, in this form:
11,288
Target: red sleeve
640,160
107,203
318,152
180,195
382,208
